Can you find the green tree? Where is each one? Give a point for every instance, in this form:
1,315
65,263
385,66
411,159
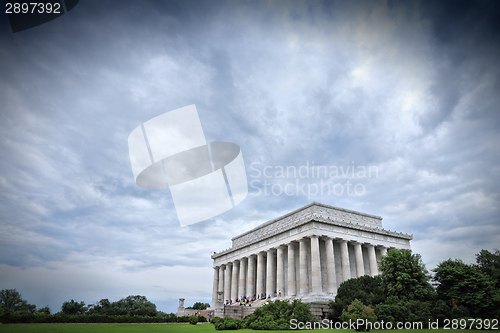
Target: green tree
11,302
101,307
104,303
366,289
277,315
73,308
133,306
404,275
395,310
199,306
45,310
357,310
490,264
469,286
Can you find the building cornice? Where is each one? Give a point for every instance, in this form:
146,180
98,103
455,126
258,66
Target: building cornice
312,212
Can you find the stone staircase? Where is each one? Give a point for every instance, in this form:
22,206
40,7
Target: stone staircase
240,311
319,309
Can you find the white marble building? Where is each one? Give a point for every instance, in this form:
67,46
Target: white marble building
304,254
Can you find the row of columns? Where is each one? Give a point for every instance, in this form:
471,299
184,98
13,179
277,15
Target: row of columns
237,278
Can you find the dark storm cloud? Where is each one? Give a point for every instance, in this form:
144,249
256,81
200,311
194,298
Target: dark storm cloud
464,37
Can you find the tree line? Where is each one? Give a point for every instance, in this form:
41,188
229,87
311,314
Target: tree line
406,292
131,309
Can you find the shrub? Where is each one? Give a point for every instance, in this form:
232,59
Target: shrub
357,310
228,323
170,318
440,311
277,315
193,320
42,317
396,310
459,312
419,311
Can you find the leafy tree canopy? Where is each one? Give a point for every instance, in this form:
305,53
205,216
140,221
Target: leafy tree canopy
357,310
490,264
199,306
45,310
368,290
460,284
12,302
73,308
395,310
130,306
404,276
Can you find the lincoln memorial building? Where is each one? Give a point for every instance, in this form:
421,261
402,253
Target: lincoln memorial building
304,254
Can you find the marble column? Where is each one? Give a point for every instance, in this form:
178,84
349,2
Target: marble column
243,273
260,273
373,260
280,271
291,290
227,281
251,276
315,266
330,266
303,279
360,266
221,280
215,286
346,266
270,273
234,281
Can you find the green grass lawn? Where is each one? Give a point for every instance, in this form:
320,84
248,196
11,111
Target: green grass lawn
105,328
181,328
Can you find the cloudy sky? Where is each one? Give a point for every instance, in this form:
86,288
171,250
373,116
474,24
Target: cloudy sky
408,90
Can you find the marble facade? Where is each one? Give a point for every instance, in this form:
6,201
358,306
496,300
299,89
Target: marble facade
304,254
